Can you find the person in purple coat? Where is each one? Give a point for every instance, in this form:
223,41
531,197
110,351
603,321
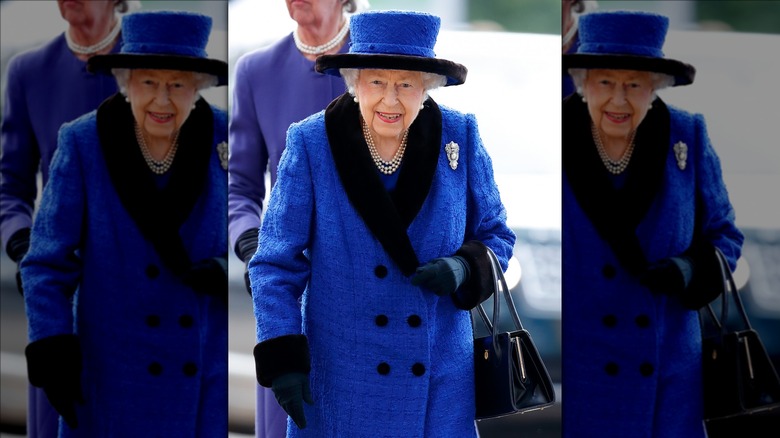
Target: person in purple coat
46,87
644,206
275,86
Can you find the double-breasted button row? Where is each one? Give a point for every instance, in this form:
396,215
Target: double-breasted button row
417,369
412,320
185,321
646,369
189,369
641,321
380,271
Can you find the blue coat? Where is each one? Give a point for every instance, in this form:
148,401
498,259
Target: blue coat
388,359
154,350
632,358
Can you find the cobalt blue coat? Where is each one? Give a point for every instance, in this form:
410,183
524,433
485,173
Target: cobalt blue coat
631,357
154,351
388,359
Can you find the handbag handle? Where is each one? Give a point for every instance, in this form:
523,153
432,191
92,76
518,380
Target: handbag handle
730,291
499,283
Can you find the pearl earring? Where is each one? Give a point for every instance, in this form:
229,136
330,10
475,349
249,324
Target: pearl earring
584,99
422,106
355,99
649,107
127,99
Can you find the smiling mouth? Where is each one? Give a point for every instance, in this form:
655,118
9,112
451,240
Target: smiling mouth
389,116
618,117
161,117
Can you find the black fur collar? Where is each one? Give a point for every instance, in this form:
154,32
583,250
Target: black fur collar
158,213
616,213
387,215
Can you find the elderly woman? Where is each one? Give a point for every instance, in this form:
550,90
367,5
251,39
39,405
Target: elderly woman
379,221
644,204
46,87
264,78
125,280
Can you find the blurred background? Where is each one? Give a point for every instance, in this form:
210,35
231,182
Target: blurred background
511,48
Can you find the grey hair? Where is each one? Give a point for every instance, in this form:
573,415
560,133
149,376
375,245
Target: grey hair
353,6
659,80
125,6
431,81
202,80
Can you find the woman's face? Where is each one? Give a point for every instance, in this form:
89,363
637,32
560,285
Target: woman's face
389,100
86,12
161,100
618,100
315,12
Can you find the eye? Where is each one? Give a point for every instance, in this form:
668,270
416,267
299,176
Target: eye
406,85
148,82
376,82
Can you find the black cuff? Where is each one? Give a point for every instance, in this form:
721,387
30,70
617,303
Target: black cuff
706,281
480,283
246,245
18,244
281,355
53,359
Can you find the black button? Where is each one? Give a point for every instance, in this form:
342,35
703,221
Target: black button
383,368
646,369
609,320
153,321
152,271
418,369
186,321
642,321
611,369
155,369
189,369
380,271
381,320
609,271
414,321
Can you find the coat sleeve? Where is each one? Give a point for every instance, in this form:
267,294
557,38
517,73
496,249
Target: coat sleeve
280,270
248,158
19,159
51,270
716,217
485,224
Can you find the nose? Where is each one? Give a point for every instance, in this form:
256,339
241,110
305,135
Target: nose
391,95
163,94
619,95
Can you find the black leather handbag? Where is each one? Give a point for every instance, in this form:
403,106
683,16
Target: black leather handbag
509,374
741,385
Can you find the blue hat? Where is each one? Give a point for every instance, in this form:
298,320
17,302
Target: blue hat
623,40
393,40
164,40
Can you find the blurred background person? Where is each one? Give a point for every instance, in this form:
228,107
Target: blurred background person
644,206
571,10
125,280
380,224
45,87
273,87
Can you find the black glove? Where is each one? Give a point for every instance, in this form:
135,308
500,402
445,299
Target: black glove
18,245
291,391
671,276
246,246
208,276
443,275
54,364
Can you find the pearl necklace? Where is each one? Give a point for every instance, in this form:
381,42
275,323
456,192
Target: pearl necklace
95,48
615,167
318,50
161,166
386,167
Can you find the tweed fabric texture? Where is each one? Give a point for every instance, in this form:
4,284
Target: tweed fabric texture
375,372
154,350
632,362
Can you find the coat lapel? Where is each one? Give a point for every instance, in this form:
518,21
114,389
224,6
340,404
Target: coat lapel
158,213
387,215
616,213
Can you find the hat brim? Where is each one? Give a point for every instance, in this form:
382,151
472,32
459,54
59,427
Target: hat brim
104,64
454,72
682,73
